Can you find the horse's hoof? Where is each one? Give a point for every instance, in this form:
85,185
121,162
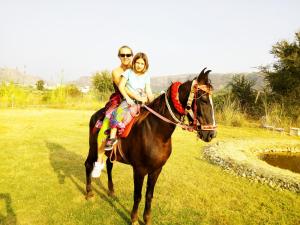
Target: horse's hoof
111,194
147,221
89,195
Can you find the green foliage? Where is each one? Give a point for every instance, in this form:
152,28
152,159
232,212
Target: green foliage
284,75
68,96
40,85
228,111
242,90
73,91
12,95
102,82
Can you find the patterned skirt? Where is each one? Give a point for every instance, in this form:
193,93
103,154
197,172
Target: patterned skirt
117,118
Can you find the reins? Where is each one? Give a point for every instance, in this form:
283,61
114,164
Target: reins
183,126
188,110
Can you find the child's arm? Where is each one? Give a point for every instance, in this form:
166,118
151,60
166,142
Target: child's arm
124,92
149,93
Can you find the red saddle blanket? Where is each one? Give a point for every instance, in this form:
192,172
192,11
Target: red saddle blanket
128,128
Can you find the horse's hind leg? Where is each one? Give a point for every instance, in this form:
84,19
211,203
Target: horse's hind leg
88,171
109,166
92,157
152,178
138,184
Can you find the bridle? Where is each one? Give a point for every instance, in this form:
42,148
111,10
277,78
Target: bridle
190,109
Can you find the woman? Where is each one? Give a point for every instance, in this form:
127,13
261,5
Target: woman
125,55
134,85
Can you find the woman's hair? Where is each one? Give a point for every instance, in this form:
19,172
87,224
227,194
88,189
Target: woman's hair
124,46
143,56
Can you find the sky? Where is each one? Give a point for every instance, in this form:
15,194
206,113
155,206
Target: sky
61,39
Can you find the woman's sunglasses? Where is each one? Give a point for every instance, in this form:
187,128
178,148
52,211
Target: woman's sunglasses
127,55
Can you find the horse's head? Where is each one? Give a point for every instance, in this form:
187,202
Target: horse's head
197,96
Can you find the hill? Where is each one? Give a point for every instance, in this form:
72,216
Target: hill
218,81
158,83
18,77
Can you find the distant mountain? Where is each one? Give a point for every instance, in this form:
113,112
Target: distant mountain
218,81
158,83
18,77
82,81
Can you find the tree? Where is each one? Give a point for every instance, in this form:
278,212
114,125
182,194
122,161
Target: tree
283,76
242,90
72,90
102,82
40,85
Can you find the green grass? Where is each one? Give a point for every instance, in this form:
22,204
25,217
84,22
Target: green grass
42,178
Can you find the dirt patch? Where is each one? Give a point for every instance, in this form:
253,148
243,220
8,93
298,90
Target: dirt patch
242,158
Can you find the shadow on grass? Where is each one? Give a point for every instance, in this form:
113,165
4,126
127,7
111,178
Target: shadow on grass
67,164
10,217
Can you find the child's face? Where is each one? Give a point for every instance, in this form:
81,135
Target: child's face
139,65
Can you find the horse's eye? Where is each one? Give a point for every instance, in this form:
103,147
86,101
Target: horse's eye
204,98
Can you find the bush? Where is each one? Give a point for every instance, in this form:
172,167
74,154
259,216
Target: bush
102,82
228,111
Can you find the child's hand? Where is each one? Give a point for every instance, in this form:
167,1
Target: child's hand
143,99
130,101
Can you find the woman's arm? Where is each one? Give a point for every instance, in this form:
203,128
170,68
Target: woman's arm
116,77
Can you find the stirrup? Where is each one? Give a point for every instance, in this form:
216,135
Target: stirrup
110,144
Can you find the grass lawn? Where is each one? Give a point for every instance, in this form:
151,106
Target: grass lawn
42,178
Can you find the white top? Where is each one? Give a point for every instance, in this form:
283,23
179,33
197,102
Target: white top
136,82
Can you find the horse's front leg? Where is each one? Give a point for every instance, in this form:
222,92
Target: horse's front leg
109,166
138,184
152,178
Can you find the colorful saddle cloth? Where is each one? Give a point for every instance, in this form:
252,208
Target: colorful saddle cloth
122,117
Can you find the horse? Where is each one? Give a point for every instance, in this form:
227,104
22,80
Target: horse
149,145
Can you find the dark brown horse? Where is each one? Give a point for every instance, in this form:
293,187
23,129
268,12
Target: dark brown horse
148,145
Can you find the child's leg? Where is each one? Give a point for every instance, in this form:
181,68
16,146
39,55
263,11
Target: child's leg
115,120
113,133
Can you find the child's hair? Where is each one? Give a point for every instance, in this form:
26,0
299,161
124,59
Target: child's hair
124,46
143,56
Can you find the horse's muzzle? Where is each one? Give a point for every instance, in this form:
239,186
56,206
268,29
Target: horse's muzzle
207,135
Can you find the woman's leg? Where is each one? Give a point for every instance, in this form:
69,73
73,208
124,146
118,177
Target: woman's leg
99,164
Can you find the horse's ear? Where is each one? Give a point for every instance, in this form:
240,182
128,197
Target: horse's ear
207,72
203,76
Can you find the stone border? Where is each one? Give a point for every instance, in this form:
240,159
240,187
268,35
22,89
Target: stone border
241,158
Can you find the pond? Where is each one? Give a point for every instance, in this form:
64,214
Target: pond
284,160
